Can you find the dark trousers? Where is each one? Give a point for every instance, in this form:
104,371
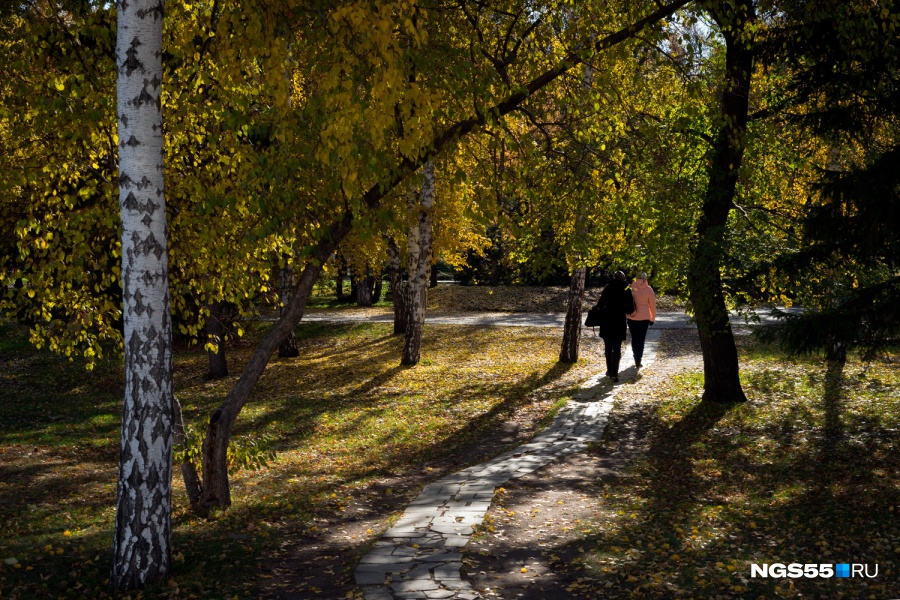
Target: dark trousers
638,335
612,349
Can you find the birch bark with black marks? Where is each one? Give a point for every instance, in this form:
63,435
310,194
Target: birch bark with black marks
419,245
398,294
720,361
142,546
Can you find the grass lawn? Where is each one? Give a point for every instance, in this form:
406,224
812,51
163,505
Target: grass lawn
802,473
323,295
340,416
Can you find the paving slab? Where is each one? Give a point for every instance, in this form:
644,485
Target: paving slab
420,547
439,594
377,593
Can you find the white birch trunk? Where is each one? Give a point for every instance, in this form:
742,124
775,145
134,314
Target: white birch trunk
419,246
142,545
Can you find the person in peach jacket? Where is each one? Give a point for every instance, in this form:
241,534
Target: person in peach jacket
643,316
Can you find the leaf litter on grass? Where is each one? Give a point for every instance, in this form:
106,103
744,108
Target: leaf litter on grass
343,416
788,477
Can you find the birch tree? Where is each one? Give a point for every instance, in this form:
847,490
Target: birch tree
142,547
419,245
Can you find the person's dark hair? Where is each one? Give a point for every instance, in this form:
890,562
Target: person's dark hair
619,276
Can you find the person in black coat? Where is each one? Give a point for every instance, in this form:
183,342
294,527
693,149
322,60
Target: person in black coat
613,301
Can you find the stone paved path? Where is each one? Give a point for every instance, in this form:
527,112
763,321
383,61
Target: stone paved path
421,555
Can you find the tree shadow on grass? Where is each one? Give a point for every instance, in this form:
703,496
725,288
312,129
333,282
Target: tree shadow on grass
668,494
398,457
672,485
373,365
832,401
307,410
358,347
38,486
807,496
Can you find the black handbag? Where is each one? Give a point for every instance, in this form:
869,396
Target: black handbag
593,317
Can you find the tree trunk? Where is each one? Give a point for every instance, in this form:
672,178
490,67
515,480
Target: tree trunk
433,281
572,331
364,289
398,296
353,288
192,483
378,288
339,284
215,334
568,352
215,475
419,251
142,547
720,361
288,346
216,491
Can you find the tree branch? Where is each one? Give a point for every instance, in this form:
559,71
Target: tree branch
454,132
